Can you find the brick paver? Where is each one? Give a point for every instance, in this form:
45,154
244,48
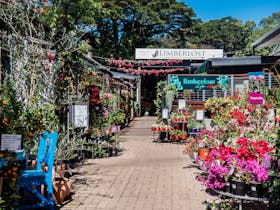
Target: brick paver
146,176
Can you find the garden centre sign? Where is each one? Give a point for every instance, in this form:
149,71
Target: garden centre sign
182,82
256,87
178,54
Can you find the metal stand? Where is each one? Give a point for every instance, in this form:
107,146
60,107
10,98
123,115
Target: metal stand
241,198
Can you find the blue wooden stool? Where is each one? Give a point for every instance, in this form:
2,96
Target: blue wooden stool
31,180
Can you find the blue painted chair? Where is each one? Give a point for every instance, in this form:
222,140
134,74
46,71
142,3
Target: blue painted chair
32,180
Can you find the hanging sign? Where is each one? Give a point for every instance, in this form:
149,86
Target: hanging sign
182,82
79,115
256,87
178,54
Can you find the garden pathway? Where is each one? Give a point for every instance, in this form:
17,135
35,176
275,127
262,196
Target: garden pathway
146,176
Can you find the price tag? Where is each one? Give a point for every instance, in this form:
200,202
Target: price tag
199,114
182,104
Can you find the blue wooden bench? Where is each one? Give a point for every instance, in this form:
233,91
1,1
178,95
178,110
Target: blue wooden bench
32,180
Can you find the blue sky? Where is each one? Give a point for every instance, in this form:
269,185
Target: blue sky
241,9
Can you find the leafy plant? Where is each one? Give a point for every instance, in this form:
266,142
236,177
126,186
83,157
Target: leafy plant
165,97
67,148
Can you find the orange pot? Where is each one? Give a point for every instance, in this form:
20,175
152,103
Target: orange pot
203,153
177,137
184,136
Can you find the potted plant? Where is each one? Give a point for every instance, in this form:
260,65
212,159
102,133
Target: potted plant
191,148
66,150
184,135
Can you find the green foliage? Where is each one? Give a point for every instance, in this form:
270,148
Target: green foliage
265,25
68,146
163,99
116,118
134,23
11,109
227,33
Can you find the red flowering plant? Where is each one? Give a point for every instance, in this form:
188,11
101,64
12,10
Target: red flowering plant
250,160
245,163
250,150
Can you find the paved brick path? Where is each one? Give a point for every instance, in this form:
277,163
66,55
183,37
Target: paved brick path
146,176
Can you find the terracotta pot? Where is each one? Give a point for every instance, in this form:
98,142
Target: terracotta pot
184,136
203,153
177,137
61,189
59,171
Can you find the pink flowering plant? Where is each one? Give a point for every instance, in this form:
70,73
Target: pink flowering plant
243,163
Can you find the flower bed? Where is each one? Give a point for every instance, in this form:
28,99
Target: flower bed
242,146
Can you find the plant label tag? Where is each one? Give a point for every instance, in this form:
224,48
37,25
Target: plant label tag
253,188
233,186
231,171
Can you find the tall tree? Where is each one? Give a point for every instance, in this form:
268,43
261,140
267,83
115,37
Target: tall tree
270,21
227,33
264,26
136,23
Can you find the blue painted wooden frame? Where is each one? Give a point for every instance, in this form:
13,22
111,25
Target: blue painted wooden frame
37,177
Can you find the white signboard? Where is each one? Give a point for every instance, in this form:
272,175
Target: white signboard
182,104
10,142
164,114
179,54
80,115
199,114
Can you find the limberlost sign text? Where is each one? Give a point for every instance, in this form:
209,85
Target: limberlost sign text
197,82
178,54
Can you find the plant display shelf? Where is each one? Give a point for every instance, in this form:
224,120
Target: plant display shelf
242,198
